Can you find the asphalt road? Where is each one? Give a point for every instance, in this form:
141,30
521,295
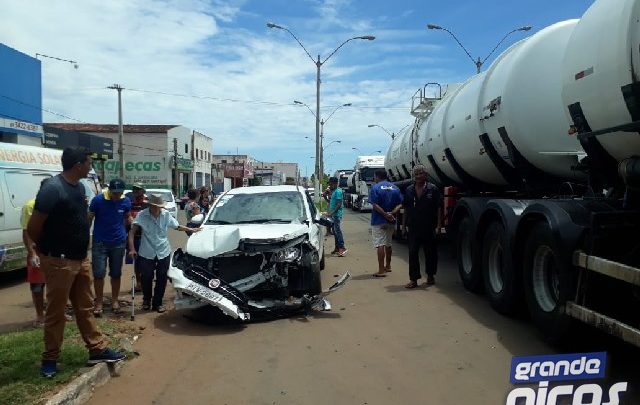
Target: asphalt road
381,344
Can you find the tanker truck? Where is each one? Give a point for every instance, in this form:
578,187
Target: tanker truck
539,159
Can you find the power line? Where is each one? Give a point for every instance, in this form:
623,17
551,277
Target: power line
41,109
232,100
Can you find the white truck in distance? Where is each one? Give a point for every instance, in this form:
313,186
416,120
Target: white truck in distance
360,181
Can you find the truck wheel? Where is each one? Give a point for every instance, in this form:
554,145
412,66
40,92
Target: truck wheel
548,283
501,282
470,272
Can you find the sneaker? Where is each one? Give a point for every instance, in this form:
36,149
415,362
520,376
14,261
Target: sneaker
160,309
342,252
334,252
431,280
107,356
48,368
146,305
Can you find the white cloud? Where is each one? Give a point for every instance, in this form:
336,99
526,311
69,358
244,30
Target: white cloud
194,47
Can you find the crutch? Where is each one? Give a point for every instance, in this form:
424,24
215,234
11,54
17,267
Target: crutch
133,297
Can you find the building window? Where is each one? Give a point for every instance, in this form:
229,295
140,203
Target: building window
224,160
186,148
196,156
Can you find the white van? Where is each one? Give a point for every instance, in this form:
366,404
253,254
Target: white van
22,168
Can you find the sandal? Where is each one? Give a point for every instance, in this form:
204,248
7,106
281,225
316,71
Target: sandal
379,275
116,309
97,312
387,269
411,284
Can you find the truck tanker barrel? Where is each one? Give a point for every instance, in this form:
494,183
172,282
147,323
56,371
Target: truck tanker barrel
539,156
521,119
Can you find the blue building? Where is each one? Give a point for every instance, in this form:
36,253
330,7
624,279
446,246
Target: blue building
20,97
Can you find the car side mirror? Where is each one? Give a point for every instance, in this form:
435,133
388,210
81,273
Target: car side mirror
324,221
197,219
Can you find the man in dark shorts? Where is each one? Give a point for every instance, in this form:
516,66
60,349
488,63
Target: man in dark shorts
60,229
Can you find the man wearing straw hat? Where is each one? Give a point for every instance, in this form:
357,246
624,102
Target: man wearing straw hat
155,251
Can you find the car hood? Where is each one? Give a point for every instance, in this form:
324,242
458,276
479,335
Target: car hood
217,239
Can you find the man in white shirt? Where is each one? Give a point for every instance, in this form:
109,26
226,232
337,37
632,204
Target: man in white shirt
155,251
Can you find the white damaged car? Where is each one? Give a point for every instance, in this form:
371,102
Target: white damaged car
258,256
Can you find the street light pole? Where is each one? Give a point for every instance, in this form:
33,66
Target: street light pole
73,62
322,122
392,135
120,131
318,64
477,62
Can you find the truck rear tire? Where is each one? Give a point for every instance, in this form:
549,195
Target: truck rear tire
501,282
548,283
468,268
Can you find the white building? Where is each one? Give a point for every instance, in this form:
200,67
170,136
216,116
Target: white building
202,158
148,154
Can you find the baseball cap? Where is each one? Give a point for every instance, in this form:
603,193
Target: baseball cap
138,185
117,186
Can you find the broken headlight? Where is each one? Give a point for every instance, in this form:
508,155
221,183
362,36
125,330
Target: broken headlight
287,255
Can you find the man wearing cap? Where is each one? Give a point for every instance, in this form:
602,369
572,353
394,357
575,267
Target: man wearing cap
111,211
155,251
335,212
139,202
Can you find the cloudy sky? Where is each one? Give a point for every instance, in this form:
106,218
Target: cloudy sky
215,67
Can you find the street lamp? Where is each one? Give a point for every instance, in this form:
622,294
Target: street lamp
73,62
318,64
478,62
382,128
322,122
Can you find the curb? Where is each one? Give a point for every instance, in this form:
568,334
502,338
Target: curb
81,389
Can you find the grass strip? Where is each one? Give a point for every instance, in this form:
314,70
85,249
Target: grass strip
21,354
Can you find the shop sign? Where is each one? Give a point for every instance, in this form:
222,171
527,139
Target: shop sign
185,164
146,170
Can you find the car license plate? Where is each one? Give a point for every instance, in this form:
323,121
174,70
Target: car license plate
203,292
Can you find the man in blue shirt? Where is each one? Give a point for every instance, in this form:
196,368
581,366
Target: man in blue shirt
335,212
386,200
111,211
155,251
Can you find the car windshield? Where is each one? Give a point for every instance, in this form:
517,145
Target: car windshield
166,195
272,207
367,173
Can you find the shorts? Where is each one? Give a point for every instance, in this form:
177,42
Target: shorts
100,253
382,235
35,275
36,287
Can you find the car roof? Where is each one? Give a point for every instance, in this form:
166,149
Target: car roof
264,189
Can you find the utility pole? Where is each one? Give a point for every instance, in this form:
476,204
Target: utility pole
120,132
175,166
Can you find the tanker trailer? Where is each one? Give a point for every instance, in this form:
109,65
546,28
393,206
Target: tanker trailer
544,147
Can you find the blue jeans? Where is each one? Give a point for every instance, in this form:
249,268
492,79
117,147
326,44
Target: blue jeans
337,233
100,253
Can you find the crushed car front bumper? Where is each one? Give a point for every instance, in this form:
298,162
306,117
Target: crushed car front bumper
197,286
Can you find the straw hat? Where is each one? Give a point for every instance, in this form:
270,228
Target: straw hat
156,199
